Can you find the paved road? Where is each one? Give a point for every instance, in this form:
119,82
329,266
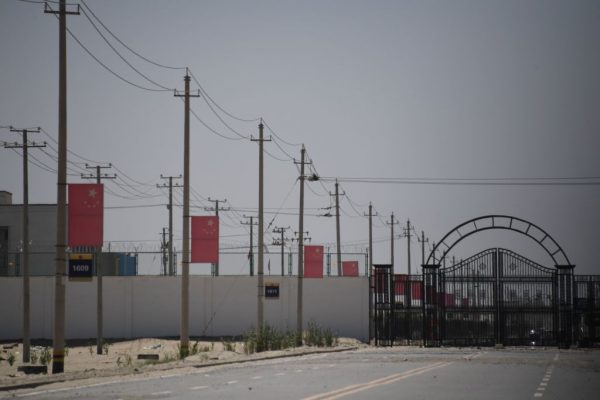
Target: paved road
399,373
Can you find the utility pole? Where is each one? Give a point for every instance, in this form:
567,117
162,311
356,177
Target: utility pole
370,270
371,215
391,224
25,260
261,231
58,341
423,241
337,227
99,305
299,309
407,233
281,243
170,208
185,263
251,253
216,209
163,248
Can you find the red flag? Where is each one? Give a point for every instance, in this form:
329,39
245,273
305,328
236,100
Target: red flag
350,268
313,261
400,283
86,214
417,291
205,239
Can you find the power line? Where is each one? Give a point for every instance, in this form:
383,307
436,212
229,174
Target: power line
217,104
104,65
120,56
546,181
280,138
124,45
211,129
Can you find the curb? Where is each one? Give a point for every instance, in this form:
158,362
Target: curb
47,380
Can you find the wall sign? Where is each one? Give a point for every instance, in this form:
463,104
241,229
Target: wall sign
80,266
272,290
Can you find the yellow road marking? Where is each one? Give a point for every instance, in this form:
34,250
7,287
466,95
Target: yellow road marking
352,389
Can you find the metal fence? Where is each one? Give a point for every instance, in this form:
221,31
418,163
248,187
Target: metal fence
493,297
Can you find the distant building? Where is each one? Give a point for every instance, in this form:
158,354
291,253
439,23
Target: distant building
42,242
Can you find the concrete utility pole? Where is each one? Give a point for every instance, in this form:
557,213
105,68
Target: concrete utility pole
407,233
281,243
391,224
371,215
185,263
58,341
163,247
99,305
261,231
170,208
337,227
299,310
25,260
251,253
216,209
370,269
423,241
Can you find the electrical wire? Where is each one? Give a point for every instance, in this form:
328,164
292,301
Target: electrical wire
290,158
124,45
105,66
221,119
217,104
69,151
546,181
281,206
211,129
280,138
119,54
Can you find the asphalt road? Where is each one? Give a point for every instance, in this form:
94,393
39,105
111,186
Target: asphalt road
382,373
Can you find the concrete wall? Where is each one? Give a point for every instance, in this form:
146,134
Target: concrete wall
219,306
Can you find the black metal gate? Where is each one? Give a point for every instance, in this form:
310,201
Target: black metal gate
494,297
500,297
587,310
382,283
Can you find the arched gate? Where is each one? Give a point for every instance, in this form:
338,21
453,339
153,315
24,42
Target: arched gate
493,297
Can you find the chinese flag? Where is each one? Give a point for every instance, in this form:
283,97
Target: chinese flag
313,261
205,239
86,214
350,268
417,290
400,283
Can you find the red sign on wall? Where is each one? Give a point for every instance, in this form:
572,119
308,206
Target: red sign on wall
86,214
350,268
205,239
313,261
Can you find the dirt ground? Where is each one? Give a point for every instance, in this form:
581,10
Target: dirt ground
121,357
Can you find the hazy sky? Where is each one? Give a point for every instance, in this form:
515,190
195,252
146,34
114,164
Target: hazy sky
411,89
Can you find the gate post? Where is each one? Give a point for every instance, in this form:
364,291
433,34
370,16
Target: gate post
383,302
431,312
565,305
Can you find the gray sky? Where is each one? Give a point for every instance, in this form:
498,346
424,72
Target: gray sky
419,89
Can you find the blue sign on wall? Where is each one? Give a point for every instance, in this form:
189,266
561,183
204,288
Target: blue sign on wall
80,266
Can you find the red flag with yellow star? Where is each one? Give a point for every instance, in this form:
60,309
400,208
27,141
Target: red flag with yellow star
349,268
313,261
86,214
205,239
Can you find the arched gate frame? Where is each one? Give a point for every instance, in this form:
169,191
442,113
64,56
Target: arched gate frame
509,299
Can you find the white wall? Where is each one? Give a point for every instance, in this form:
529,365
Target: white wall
147,306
